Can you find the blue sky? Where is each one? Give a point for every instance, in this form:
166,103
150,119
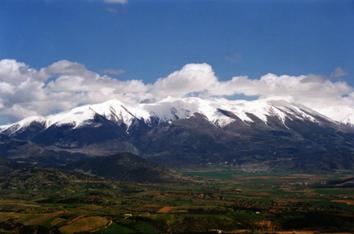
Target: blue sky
149,39
59,54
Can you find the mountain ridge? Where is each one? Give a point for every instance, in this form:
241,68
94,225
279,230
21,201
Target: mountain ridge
171,109
190,131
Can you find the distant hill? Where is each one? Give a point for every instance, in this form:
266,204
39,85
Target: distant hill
23,180
49,170
124,167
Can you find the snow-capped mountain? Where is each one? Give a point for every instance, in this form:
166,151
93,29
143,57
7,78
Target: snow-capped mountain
189,131
220,112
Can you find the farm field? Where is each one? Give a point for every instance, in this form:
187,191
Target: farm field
214,200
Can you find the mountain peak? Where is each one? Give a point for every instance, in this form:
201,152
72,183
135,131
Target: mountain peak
220,112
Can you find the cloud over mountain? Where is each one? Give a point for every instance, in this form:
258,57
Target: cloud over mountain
64,84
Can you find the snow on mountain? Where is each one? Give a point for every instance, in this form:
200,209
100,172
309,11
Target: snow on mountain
113,110
170,109
349,119
22,124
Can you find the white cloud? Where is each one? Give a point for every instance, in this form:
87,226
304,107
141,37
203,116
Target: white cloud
191,78
65,67
234,58
339,72
64,84
333,99
112,71
115,1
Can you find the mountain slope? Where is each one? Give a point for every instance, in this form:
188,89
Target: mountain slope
124,167
191,131
119,167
